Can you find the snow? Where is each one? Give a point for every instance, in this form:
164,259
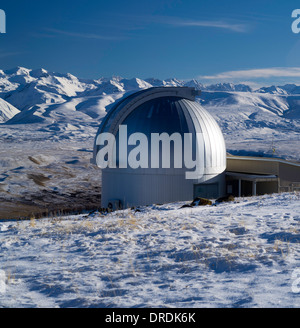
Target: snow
46,167
7,111
238,254
256,123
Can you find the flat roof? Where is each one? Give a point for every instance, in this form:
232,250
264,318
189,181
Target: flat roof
264,159
252,177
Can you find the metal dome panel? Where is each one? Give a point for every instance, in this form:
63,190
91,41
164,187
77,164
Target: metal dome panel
157,111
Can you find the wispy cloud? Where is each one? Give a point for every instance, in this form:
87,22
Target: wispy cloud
84,35
138,22
213,24
182,22
272,72
9,54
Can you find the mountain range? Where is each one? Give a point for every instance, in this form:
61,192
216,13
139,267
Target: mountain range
22,88
64,101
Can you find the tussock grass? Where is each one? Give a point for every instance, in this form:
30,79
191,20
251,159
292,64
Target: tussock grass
39,179
34,160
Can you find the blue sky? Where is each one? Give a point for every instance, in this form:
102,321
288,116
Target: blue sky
212,41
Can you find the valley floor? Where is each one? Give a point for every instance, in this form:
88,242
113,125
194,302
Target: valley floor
45,171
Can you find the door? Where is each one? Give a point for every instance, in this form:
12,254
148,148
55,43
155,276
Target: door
209,190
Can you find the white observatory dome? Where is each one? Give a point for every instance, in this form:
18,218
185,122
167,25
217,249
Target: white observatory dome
157,111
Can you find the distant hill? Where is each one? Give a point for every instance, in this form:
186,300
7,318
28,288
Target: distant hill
248,118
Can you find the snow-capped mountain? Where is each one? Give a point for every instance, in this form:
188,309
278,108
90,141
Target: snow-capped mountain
195,84
229,87
273,90
287,89
25,88
58,100
7,111
134,84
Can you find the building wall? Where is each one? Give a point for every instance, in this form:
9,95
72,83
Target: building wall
289,176
137,189
266,187
288,173
252,166
213,187
144,189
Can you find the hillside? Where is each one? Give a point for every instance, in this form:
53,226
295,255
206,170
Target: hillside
255,121
239,254
7,111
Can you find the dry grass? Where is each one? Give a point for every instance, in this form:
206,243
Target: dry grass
39,179
34,160
15,210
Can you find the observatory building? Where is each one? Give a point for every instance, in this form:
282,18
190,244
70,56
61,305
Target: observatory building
161,146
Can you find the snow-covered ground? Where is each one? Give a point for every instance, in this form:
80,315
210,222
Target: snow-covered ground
239,254
44,170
